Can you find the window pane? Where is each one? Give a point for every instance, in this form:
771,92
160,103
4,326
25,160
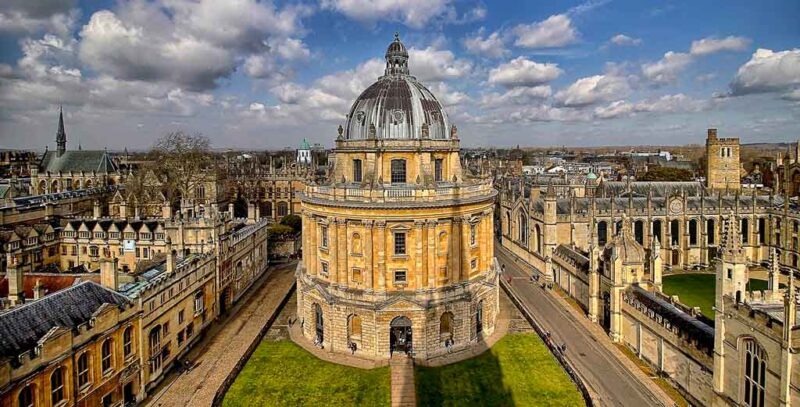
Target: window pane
398,171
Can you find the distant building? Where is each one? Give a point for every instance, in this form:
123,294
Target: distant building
304,153
723,168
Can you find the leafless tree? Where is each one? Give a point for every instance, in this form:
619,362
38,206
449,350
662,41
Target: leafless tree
181,161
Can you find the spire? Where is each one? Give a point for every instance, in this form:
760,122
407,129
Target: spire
61,134
732,251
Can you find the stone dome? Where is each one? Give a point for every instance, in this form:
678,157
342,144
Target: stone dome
397,106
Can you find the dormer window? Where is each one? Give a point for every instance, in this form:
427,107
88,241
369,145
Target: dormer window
32,241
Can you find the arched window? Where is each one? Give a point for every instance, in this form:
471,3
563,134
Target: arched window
762,230
693,232
745,231
398,168
712,236
538,239
446,326
508,223
127,341
57,386
26,396
200,192
155,349
355,243
675,232
638,231
602,233
523,229
106,356
754,377
83,369
657,230
479,318
354,328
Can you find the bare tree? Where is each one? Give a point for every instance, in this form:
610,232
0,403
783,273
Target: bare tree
181,161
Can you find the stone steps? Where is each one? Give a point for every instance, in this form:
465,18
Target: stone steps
401,370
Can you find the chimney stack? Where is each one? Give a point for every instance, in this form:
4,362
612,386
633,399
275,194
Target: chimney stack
170,257
96,210
108,274
16,285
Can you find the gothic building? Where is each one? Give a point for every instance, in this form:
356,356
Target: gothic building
397,243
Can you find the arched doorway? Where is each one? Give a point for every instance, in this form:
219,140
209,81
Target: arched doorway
400,339
319,323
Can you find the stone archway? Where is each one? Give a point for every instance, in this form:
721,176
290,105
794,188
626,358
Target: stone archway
400,335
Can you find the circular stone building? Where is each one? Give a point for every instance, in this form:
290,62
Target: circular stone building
397,245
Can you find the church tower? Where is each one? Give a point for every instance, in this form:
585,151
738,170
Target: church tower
722,162
61,134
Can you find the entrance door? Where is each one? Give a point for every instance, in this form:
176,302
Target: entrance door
223,301
676,257
127,394
319,323
400,339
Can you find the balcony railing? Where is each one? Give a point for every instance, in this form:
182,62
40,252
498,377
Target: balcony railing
401,193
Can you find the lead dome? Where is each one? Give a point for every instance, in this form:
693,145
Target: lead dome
397,105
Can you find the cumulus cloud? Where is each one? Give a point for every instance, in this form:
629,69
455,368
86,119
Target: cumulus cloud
667,68
768,71
53,16
555,31
665,104
413,13
523,72
624,40
593,89
491,46
431,64
516,96
713,45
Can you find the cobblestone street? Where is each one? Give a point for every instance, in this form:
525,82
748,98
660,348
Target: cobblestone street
225,343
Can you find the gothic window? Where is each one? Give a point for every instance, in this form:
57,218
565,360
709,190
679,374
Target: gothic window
674,231
57,386
26,398
638,231
602,233
657,230
539,238
437,170
399,243
398,171
745,231
693,232
106,355
283,209
754,377
356,170
523,229
83,369
710,231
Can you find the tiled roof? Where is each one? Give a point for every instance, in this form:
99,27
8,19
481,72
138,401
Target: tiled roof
77,161
52,282
23,326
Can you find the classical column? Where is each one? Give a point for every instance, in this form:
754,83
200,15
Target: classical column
432,239
466,248
381,242
485,240
455,251
368,269
418,261
333,244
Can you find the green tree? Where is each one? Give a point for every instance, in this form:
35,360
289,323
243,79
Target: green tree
293,221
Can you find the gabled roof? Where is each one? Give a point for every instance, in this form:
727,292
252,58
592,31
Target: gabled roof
77,161
22,327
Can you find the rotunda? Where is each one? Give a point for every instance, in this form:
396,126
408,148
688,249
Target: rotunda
397,243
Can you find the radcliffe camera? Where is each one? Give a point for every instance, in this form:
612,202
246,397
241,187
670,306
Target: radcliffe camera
334,203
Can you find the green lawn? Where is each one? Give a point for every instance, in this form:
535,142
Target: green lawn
517,371
698,290
284,374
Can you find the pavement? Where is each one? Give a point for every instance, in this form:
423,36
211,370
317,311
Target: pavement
226,342
402,373
612,378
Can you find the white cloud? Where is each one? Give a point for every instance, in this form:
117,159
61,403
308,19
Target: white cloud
555,31
447,96
516,96
665,104
30,16
713,45
624,40
413,13
768,71
523,72
430,64
667,68
593,89
491,46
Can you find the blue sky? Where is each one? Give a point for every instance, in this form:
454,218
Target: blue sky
260,75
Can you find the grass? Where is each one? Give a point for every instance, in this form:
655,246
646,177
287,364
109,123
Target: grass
518,370
698,290
671,391
280,373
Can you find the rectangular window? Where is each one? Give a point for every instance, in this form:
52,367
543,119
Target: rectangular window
400,277
324,268
180,316
93,251
473,264
473,235
189,330
357,275
356,170
437,170
180,338
324,231
108,400
399,243
398,171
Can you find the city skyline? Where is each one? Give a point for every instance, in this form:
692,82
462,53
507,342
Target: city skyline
257,75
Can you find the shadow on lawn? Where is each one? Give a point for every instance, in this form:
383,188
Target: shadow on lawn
473,382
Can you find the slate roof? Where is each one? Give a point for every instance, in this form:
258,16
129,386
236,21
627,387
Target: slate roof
702,332
77,161
23,326
51,282
658,188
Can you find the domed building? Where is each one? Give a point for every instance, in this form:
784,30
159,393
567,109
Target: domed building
397,245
